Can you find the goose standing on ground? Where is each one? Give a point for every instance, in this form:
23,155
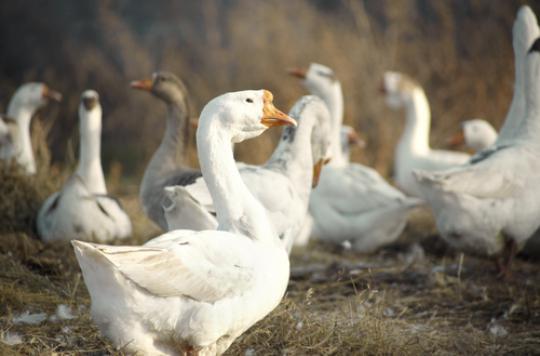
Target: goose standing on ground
491,206
283,184
194,292
167,166
17,143
352,202
82,209
413,150
476,134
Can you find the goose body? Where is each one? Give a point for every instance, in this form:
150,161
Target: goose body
82,209
167,166
493,202
352,202
195,292
283,184
15,140
413,150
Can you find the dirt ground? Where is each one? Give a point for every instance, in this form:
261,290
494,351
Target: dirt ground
415,297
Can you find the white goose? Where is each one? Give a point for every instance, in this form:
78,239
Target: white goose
195,292
349,137
352,202
282,184
15,127
477,134
82,209
491,206
167,166
413,150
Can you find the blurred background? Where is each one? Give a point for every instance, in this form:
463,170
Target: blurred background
459,50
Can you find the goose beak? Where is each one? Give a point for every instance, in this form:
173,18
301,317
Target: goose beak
145,84
50,94
354,139
194,122
317,169
456,140
273,117
297,72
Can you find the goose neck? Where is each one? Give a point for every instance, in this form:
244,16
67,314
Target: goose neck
415,137
334,102
237,210
23,115
89,167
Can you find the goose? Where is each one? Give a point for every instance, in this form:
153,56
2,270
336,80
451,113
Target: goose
15,126
82,209
524,32
491,206
283,184
352,202
477,134
167,166
194,292
413,150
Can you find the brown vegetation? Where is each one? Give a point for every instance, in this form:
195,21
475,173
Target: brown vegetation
338,303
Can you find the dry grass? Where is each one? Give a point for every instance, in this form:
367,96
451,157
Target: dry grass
338,303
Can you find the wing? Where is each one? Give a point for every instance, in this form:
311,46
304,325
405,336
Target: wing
187,263
357,189
182,211
182,177
494,176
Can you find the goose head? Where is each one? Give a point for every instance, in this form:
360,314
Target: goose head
397,89
318,79
244,114
33,96
163,85
90,111
477,134
349,137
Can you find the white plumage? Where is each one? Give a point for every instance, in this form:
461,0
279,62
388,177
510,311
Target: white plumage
352,202
82,209
494,201
413,150
196,292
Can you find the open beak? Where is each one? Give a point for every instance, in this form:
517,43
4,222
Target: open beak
273,117
297,72
145,84
50,94
456,140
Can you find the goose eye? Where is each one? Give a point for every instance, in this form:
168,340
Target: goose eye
249,100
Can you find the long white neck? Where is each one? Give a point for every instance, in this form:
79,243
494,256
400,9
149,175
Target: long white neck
531,122
294,155
23,115
415,137
237,210
171,150
89,168
334,102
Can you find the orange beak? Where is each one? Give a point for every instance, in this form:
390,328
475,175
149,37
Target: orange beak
317,169
145,84
273,117
456,140
297,72
194,122
50,94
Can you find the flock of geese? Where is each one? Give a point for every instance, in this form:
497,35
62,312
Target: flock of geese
224,262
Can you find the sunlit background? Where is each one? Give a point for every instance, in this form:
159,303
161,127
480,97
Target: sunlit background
460,51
